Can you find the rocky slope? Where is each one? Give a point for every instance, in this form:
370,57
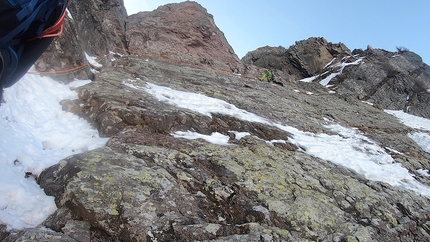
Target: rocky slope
148,185
398,81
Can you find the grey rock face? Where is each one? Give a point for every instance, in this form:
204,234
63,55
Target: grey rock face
398,81
28,235
304,59
101,25
3,232
148,185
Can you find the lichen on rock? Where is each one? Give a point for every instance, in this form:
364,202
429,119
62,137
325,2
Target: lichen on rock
148,185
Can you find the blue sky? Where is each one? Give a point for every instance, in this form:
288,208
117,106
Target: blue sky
250,24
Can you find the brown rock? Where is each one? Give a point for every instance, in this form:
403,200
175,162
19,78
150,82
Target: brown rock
185,33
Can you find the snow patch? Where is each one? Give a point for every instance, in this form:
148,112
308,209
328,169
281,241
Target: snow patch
342,66
410,120
425,173
348,148
92,60
34,134
309,79
421,138
326,80
78,83
239,135
214,138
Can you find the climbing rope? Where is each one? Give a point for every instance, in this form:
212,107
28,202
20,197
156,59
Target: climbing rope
80,67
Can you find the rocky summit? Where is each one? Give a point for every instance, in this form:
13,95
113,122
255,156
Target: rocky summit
204,146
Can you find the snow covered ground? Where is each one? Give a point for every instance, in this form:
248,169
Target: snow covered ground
34,134
348,148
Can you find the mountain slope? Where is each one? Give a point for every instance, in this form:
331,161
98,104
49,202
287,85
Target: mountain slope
202,151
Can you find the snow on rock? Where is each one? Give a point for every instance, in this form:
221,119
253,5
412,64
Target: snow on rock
239,135
348,148
34,134
423,172
421,138
78,83
327,79
342,66
214,138
92,60
309,79
410,120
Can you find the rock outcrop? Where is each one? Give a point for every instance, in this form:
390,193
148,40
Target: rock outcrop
183,32
304,59
398,81
68,53
92,28
101,24
147,184
392,80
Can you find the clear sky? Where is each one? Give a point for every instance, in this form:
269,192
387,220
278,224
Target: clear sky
250,24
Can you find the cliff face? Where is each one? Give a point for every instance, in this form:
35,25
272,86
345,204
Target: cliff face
262,179
185,33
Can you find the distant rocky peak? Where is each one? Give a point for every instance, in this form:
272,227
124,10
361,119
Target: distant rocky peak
182,32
